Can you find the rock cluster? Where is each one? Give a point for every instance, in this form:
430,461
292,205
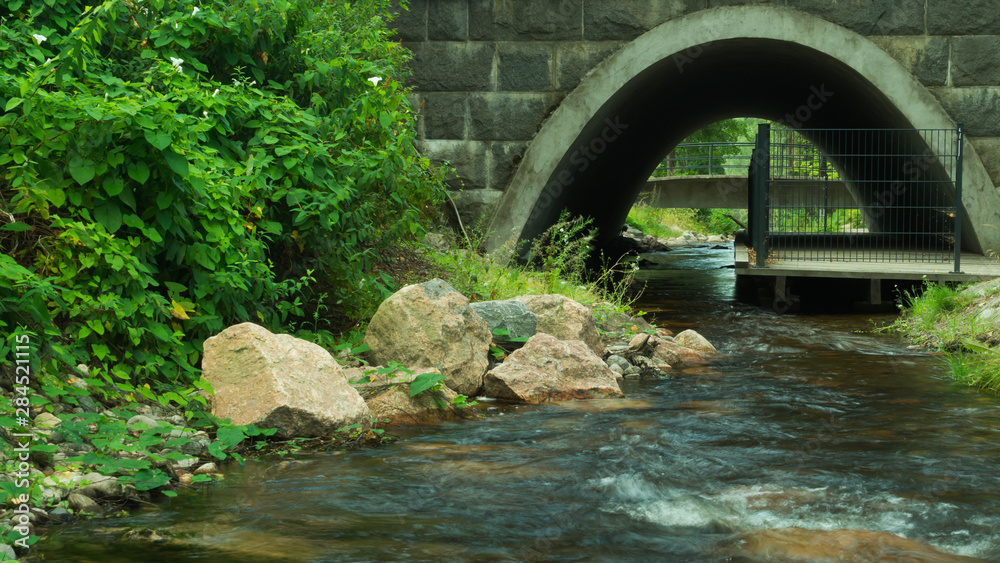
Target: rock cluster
430,330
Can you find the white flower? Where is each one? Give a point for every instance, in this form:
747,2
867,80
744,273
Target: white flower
216,92
253,83
204,115
47,61
195,11
39,38
176,63
105,96
375,80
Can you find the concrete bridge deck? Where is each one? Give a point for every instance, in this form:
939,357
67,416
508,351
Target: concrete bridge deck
807,263
725,191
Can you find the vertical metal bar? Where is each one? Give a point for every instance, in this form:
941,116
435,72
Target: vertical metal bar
711,157
958,200
761,179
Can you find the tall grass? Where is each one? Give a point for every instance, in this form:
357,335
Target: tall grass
940,314
980,370
556,266
928,308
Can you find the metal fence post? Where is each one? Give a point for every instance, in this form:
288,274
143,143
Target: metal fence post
958,201
761,165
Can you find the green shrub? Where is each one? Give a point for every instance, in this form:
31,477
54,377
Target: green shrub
175,167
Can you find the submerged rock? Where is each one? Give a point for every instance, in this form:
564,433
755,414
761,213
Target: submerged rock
791,545
83,504
549,369
431,324
279,381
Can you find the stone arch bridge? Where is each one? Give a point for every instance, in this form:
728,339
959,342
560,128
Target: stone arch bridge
542,105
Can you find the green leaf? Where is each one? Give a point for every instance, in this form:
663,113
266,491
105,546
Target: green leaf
13,103
113,186
176,162
215,448
138,171
82,170
230,436
15,227
164,199
108,215
423,382
158,140
133,221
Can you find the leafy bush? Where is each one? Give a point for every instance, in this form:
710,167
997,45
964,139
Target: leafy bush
176,167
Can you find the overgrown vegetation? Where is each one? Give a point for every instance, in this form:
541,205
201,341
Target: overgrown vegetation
963,322
671,222
172,168
559,255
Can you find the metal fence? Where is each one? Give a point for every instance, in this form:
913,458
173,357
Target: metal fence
707,159
860,195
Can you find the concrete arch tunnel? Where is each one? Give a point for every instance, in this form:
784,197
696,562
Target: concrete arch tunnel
594,153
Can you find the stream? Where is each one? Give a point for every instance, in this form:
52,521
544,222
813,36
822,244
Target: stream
806,421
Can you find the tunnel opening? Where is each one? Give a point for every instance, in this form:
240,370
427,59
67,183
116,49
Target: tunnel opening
606,166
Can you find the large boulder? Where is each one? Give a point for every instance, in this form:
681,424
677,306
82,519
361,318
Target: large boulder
279,381
549,369
848,546
565,319
508,315
431,324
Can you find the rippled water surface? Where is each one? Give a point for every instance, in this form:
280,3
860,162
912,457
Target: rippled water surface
807,421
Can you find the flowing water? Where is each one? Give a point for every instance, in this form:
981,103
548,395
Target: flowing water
807,421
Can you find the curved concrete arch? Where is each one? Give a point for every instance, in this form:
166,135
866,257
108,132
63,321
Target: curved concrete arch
597,148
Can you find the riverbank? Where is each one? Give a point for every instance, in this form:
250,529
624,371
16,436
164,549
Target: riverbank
963,322
101,446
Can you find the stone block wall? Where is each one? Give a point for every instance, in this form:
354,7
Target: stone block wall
487,73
